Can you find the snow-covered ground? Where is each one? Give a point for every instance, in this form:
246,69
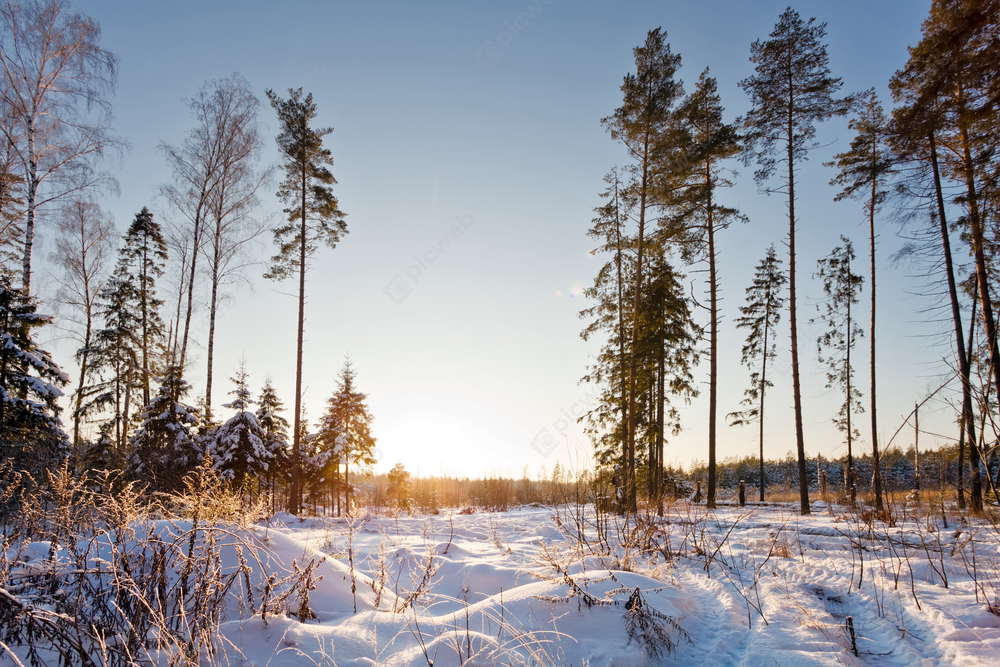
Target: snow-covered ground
737,586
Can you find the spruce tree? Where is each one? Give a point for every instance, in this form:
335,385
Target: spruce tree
269,409
841,288
790,92
345,427
863,172
239,445
142,258
165,447
314,218
607,421
760,315
115,363
31,433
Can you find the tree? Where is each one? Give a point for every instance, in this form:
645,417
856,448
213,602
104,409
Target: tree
399,487
760,315
863,172
83,250
841,288
218,153
314,218
232,225
641,125
11,196
57,81
951,102
269,409
141,261
345,428
115,361
164,448
239,447
608,419
31,432
791,91
707,142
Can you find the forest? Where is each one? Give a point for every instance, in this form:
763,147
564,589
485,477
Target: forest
143,524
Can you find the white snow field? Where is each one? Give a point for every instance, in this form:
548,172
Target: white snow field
735,586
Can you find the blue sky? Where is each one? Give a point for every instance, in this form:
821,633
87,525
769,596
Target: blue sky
446,120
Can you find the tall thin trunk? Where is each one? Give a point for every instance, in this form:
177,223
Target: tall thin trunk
660,399
763,388
196,238
976,480
295,501
877,478
630,499
212,310
916,446
847,373
968,424
29,224
986,305
796,387
144,308
713,373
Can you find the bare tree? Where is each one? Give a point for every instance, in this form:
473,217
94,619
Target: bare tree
225,113
233,224
57,80
84,249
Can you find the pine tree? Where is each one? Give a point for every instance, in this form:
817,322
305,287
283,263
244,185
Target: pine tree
314,218
707,142
31,433
949,89
165,447
345,427
239,446
790,92
641,125
760,315
841,288
863,172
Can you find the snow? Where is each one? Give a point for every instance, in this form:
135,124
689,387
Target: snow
745,586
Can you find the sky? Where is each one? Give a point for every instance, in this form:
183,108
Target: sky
469,156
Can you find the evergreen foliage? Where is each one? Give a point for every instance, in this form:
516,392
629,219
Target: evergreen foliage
165,446
790,92
314,218
239,446
31,432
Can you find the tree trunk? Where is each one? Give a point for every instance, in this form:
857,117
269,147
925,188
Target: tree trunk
713,372
965,367
796,387
191,275
295,500
630,499
877,478
212,310
763,389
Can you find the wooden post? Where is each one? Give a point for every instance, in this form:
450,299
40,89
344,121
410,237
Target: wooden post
743,494
916,448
